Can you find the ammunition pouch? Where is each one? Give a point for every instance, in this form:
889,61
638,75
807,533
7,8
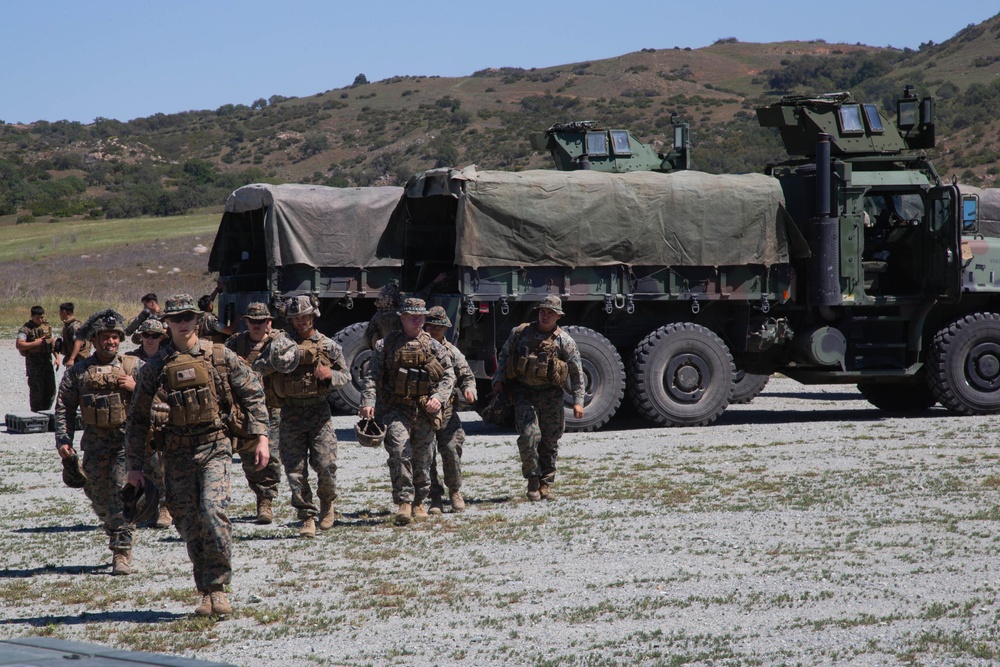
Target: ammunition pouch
302,382
103,411
417,371
190,391
536,363
436,420
411,383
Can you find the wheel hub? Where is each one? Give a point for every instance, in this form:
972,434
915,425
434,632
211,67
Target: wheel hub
982,366
686,377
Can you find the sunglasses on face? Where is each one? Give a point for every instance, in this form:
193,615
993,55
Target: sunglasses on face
186,317
150,334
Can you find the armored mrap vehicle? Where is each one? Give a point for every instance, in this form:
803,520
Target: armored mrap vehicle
851,262
276,241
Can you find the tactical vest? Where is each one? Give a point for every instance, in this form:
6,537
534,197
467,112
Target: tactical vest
35,332
103,404
412,369
302,382
535,361
69,340
274,384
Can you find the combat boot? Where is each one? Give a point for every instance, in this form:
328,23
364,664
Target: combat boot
121,562
404,514
220,603
163,520
533,485
437,506
419,512
326,514
205,608
308,528
265,514
545,491
457,501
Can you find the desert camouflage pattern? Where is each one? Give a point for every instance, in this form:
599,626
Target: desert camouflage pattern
410,431
383,323
103,453
308,439
451,437
197,459
539,416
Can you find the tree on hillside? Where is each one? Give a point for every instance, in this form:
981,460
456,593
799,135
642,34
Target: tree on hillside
360,80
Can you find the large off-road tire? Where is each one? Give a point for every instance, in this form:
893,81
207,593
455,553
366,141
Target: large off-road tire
913,396
747,386
347,399
964,363
682,375
604,381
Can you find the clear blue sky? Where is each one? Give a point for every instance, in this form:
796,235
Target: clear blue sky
82,59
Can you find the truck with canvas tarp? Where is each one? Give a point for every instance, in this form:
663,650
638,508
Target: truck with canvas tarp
851,262
276,241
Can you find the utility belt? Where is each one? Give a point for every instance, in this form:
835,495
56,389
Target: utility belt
175,440
102,411
304,400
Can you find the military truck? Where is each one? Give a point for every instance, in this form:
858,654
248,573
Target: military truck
850,262
276,241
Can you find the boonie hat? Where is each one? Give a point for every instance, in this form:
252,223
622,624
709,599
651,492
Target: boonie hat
149,326
551,302
258,311
179,303
437,317
412,306
283,354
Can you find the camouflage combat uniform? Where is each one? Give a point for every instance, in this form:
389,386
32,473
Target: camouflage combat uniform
143,315
69,333
307,435
38,366
210,329
197,457
451,436
538,404
154,461
409,436
264,483
87,383
385,319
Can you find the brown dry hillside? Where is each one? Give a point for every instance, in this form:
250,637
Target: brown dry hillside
383,132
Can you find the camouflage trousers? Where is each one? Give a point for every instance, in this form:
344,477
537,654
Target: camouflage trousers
450,439
104,465
41,381
264,483
409,440
198,492
540,422
153,469
308,440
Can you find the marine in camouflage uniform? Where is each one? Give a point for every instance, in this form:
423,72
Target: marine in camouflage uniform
150,309
307,436
34,342
150,337
450,437
100,387
69,339
408,381
385,318
209,326
250,346
533,367
189,390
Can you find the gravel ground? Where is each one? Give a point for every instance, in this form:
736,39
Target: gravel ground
805,528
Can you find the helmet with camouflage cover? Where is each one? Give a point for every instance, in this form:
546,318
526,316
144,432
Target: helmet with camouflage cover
284,354
437,317
72,472
149,326
388,297
140,504
302,304
370,433
104,320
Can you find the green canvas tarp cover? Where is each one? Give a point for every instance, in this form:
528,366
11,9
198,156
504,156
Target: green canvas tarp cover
321,226
589,218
